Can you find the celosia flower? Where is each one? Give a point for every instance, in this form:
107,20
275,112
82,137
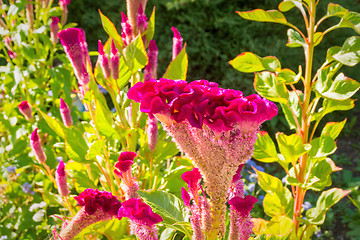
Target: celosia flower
152,131
185,196
65,113
132,11
75,46
36,146
141,19
236,188
192,178
60,177
12,54
123,170
177,43
126,29
115,61
215,127
96,206
150,70
103,60
143,219
54,29
125,160
63,4
25,109
243,205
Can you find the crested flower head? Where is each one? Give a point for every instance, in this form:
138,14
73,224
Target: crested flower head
243,206
139,212
75,46
192,178
25,109
125,160
93,200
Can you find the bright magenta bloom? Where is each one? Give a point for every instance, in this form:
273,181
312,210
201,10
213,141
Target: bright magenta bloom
60,177
141,19
25,109
177,43
192,178
65,113
125,160
123,170
75,46
35,144
243,205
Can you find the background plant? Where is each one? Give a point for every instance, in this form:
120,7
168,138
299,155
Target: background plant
304,105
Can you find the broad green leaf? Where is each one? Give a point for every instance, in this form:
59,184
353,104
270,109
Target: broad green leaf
75,145
326,200
322,147
291,147
287,5
150,30
318,36
324,79
350,20
247,62
178,67
96,149
288,76
319,177
266,85
124,73
349,53
271,63
279,225
268,183
293,106
332,51
53,124
294,39
135,54
336,10
104,122
261,15
342,88
168,206
165,149
265,150
279,203
333,129
111,30
330,105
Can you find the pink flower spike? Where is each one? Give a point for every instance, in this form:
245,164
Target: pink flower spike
177,43
60,177
139,212
73,41
151,68
192,178
36,146
65,113
186,197
243,205
115,61
63,3
125,160
141,19
25,109
54,29
152,131
12,54
104,62
126,29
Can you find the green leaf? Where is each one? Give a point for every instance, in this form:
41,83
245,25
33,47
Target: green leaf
279,203
330,105
264,16
104,122
342,88
295,39
332,51
265,150
291,147
333,129
135,54
150,30
124,73
349,53
178,67
266,85
318,36
319,177
271,63
326,200
247,62
322,147
336,10
280,225
75,145
324,78
111,30
53,124
288,76
349,20
293,106
268,183
165,149
287,5
168,206
96,149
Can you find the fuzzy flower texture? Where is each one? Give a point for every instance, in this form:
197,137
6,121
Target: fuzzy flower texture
215,127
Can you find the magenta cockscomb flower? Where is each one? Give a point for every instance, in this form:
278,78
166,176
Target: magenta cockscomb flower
96,206
115,61
25,109
75,46
240,219
60,177
143,219
150,70
123,170
54,29
215,127
103,60
126,30
65,113
177,43
36,146
192,178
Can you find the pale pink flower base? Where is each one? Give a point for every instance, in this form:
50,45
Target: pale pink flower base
240,227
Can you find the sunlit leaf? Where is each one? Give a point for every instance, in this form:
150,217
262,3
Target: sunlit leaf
247,62
265,150
178,67
349,53
266,85
261,15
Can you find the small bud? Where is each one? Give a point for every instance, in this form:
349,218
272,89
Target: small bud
60,177
115,61
12,54
54,27
65,113
177,43
63,4
36,147
25,109
103,60
151,68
